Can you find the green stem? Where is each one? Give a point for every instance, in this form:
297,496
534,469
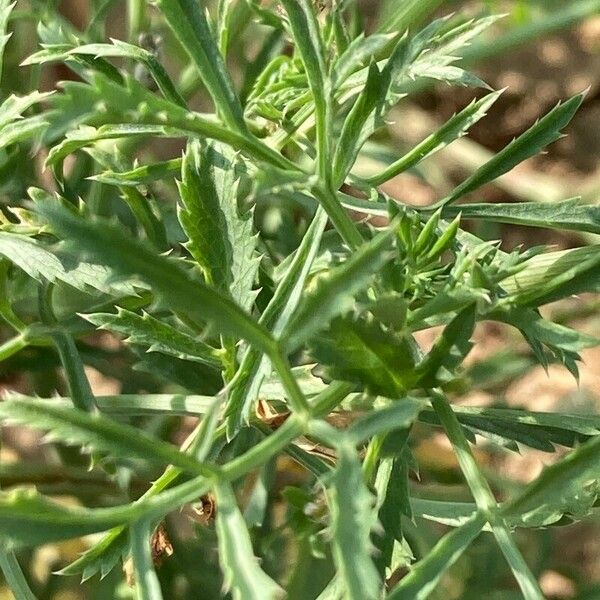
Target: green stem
147,585
339,217
296,398
486,503
137,19
12,346
14,576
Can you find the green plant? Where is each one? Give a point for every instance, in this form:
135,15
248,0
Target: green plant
241,306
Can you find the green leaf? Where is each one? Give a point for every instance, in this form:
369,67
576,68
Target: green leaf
426,574
558,486
254,366
221,241
14,577
359,54
95,432
399,415
142,175
110,245
5,10
359,124
361,351
186,19
25,129
158,335
530,143
569,214
334,292
449,349
352,516
243,576
455,128
28,520
43,265
122,49
555,275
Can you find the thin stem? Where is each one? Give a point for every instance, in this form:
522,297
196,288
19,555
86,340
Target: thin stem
297,400
137,19
14,576
12,346
339,217
484,498
147,585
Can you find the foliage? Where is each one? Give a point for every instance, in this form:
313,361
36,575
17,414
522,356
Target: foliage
249,296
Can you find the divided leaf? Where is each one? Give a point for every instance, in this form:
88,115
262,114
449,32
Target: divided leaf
221,241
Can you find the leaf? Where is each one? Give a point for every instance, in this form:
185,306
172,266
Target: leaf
187,21
19,131
356,128
352,516
110,245
221,241
449,349
43,265
360,351
122,49
334,292
530,143
425,575
359,54
555,275
14,577
569,214
28,520
243,576
455,128
96,432
6,8
254,366
399,415
158,335
558,486
142,175
13,107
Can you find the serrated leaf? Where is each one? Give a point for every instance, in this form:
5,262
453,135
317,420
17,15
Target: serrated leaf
399,415
425,575
6,8
255,367
558,486
361,351
142,175
569,214
95,432
27,519
555,275
449,349
221,241
243,576
43,265
456,127
109,244
156,334
536,138
352,516
334,293
122,49
188,23
359,54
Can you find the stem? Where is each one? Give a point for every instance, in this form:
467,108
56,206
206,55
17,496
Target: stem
338,215
12,346
484,498
137,19
146,581
297,400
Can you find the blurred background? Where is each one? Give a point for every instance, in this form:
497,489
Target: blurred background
542,51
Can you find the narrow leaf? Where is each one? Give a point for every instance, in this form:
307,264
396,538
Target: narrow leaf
243,576
530,143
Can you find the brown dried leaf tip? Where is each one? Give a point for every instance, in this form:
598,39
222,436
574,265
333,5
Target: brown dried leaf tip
205,510
160,547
